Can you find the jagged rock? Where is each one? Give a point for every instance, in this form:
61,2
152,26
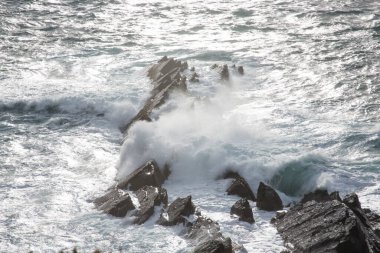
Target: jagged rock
176,211
117,203
239,186
330,226
147,174
240,70
320,195
268,199
192,69
374,220
214,66
166,76
224,72
149,197
213,246
243,209
194,77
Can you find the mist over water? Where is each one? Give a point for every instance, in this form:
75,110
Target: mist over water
304,115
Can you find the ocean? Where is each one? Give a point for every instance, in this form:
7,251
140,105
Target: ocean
305,115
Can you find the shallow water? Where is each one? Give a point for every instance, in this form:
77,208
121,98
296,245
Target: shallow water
305,115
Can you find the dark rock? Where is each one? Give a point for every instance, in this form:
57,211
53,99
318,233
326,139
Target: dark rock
149,197
268,199
166,76
240,70
224,72
184,66
214,66
192,69
239,186
243,209
194,77
328,226
374,220
147,174
212,246
176,211
319,195
117,203
207,236
335,195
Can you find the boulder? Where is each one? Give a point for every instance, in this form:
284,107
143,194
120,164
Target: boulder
147,174
149,197
224,72
243,210
329,226
207,236
320,195
117,203
239,186
166,76
176,211
213,246
240,70
268,199
194,77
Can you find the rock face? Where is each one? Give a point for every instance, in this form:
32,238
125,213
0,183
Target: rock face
207,236
148,174
243,209
115,203
176,211
329,226
239,186
166,76
320,195
149,197
268,199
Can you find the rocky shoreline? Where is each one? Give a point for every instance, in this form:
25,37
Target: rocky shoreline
321,222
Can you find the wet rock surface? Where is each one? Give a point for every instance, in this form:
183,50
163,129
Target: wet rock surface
166,76
149,174
268,199
207,236
243,210
320,195
239,186
149,197
116,203
329,226
177,211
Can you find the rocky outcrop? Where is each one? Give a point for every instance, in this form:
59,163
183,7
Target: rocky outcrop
268,199
177,210
320,195
239,186
329,226
243,210
148,174
115,203
166,76
374,220
207,237
149,197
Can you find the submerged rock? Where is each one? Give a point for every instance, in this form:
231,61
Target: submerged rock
268,199
148,174
243,210
116,203
239,186
149,197
176,211
330,226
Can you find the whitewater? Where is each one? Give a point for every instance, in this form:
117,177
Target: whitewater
305,115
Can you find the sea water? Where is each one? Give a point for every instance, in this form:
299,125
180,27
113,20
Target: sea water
304,115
